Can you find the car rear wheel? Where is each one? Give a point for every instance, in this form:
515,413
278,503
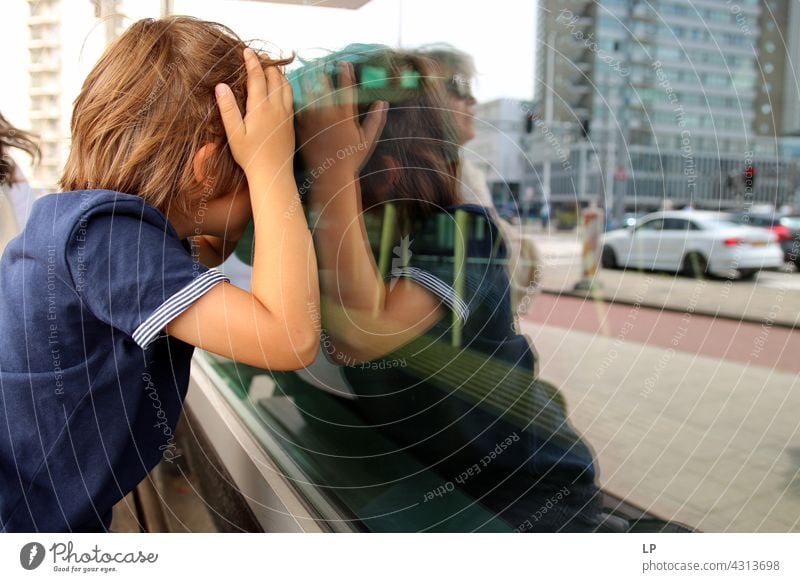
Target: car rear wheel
747,274
609,258
695,265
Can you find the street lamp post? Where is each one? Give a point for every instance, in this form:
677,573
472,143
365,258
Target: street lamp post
548,113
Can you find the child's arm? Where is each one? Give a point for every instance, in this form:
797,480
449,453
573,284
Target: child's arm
363,315
277,326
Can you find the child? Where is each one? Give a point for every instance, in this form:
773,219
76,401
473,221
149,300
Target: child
104,295
431,351
457,70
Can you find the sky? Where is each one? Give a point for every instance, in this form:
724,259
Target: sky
499,34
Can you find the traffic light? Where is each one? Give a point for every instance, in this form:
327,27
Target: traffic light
529,123
749,177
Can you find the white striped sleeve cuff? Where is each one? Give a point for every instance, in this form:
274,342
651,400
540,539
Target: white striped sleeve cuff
149,329
442,290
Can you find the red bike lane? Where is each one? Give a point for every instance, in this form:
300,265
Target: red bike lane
759,344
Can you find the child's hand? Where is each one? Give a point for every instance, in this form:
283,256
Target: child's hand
264,139
328,127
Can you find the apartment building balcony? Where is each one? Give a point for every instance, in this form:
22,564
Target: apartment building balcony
53,113
575,88
44,90
744,8
45,67
43,42
577,22
44,19
45,78
43,23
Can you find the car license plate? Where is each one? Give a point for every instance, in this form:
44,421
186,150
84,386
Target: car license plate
759,243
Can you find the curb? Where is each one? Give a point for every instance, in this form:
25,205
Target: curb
652,305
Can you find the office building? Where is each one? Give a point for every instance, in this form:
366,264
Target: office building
777,106
661,103
64,42
498,148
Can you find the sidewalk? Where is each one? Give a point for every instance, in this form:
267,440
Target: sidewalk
705,441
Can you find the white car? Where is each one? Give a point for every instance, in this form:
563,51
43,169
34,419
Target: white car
694,243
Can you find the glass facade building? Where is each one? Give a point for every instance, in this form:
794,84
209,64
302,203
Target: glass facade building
662,102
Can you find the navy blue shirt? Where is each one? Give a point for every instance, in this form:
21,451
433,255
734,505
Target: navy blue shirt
91,388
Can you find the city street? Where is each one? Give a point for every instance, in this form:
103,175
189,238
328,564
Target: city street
773,296
692,417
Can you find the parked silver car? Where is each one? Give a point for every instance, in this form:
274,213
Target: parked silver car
694,243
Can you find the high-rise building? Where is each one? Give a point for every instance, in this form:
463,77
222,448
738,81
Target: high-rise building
44,25
572,78
661,102
777,106
64,40
791,83
497,149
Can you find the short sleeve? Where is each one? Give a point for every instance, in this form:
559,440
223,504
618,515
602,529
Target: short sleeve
132,271
428,260
444,292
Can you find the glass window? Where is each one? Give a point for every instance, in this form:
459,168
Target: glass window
715,224
676,224
654,224
429,409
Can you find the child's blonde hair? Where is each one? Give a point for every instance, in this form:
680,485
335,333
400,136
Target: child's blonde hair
148,106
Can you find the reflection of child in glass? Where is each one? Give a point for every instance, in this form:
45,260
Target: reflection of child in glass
458,70
467,402
108,288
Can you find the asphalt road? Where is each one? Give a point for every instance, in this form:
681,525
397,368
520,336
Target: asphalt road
773,297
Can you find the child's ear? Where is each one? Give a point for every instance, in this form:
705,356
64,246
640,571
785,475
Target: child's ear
200,161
